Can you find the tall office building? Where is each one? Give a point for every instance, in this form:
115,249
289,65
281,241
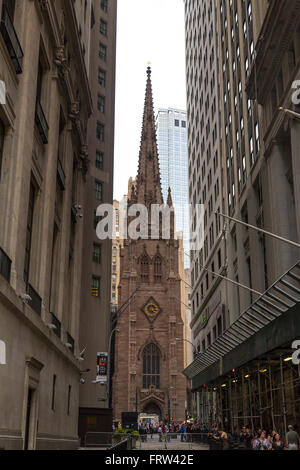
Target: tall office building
43,167
250,365
172,148
208,297
96,279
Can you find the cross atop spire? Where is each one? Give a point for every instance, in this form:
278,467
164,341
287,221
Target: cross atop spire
148,187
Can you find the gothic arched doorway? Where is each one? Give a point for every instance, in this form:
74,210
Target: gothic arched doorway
151,408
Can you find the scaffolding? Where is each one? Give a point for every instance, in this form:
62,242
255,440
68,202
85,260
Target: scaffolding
265,394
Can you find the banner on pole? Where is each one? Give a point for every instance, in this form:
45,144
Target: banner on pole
102,359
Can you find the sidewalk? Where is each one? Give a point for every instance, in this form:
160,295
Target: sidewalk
173,444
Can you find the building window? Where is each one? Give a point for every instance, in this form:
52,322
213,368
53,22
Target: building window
99,160
98,190
219,323
100,131
97,219
104,5
151,366
102,77
103,27
69,400
145,268
219,259
101,103
53,393
29,232
102,52
183,124
2,134
157,268
97,253
176,122
96,286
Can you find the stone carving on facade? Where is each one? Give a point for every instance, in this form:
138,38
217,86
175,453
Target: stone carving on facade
84,156
152,393
74,110
59,57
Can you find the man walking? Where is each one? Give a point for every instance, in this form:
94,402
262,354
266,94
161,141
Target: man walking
292,439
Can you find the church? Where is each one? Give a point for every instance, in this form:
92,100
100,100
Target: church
149,349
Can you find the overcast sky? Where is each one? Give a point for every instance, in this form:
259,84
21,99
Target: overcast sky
148,31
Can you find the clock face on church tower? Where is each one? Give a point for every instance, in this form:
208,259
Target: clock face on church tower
151,309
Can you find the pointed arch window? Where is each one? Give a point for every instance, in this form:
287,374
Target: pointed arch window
151,366
145,268
157,269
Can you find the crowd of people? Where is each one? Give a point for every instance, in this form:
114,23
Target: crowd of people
260,440
164,430
219,438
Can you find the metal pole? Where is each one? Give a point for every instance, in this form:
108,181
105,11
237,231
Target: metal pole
243,396
230,405
250,402
271,392
283,395
254,227
229,280
108,367
259,396
289,111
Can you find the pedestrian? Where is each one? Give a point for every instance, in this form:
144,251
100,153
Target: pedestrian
159,430
168,435
261,442
182,432
278,443
246,438
292,439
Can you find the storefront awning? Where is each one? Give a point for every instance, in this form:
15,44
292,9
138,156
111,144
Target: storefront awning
278,299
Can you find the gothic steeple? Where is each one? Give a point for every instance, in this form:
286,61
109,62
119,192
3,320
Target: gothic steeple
148,187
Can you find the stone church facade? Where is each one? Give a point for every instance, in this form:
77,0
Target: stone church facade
149,352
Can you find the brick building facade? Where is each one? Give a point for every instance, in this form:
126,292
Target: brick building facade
149,346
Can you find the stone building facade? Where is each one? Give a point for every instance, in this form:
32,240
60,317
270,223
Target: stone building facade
148,359
96,268
43,148
248,376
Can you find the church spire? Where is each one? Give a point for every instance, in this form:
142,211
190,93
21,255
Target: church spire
169,201
148,186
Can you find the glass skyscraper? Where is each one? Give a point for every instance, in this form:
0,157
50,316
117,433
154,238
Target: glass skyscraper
171,127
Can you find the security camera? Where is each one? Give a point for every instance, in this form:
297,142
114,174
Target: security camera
82,381
51,326
25,298
68,345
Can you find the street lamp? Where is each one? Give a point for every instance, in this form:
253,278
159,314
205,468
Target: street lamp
179,340
115,330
